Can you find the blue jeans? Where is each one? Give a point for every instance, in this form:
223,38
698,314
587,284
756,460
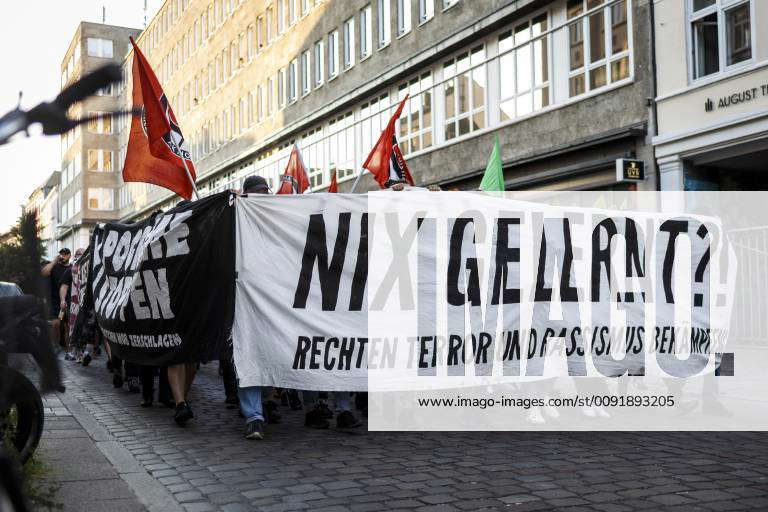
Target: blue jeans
251,404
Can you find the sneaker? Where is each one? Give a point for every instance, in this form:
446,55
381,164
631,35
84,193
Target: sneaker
183,413
270,412
347,420
86,359
324,411
133,384
232,402
117,380
254,429
294,402
314,419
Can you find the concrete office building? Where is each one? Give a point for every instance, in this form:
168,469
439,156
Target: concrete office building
564,84
44,202
90,176
712,60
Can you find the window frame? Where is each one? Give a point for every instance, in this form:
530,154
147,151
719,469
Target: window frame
609,57
384,23
404,22
426,11
473,109
720,7
333,58
547,35
348,43
306,72
366,32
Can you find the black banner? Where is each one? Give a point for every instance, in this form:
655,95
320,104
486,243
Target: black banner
163,288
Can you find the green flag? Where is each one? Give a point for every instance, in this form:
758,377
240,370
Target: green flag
493,179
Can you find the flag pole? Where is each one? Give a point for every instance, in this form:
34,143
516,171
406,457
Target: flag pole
357,180
189,175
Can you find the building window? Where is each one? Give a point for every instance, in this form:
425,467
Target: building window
304,7
99,161
293,80
599,45
270,24
249,41
319,63
403,16
291,11
524,69
100,48
101,125
234,58
259,34
281,88
721,33
464,93
449,3
365,32
270,96
341,146
280,16
314,156
426,10
349,43
384,23
415,123
333,54
101,198
259,103
306,80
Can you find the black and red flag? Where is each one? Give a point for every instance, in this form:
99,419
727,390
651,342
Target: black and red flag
386,161
157,151
295,179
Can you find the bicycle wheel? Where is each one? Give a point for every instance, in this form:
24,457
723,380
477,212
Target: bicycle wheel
21,422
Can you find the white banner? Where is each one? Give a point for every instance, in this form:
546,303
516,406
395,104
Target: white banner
417,290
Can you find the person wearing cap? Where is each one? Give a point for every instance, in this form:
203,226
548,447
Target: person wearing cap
255,185
251,399
54,271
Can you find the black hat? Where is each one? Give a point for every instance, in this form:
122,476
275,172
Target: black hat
254,184
65,251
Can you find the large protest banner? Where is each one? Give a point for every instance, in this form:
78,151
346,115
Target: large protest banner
334,289
162,288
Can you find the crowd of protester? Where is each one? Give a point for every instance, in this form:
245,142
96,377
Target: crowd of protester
258,405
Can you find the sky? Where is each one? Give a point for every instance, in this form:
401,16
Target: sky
34,35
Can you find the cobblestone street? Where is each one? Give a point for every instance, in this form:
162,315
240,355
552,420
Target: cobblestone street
209,466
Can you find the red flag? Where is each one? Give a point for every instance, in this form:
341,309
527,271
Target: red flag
295,179
386,162
333,188
156,145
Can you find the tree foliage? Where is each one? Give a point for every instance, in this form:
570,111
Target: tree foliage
21,256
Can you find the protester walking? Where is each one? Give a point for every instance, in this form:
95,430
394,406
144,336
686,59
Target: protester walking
54,271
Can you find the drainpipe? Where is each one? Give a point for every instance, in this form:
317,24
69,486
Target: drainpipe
654,89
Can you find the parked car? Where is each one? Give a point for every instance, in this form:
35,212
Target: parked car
9,289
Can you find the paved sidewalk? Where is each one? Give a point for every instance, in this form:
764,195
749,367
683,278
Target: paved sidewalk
85,478
209,466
